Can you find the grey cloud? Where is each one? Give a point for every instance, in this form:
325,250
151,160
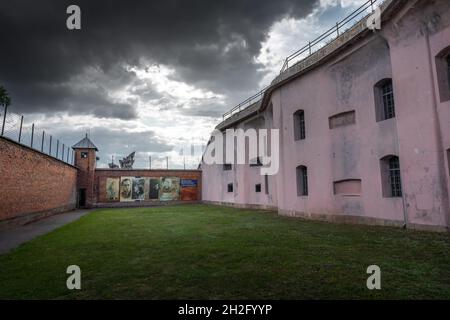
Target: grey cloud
211,44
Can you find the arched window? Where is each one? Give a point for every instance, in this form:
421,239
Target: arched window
384,100
299,125
443,74
391,177
448,71
302,181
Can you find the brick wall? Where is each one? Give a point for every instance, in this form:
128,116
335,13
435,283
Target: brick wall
33,184
102,174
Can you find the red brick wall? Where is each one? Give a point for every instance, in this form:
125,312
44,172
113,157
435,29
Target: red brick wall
33,183
102,174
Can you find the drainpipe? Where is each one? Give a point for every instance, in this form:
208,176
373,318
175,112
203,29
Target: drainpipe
438,135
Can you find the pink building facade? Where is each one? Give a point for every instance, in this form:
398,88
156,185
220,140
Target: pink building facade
364,127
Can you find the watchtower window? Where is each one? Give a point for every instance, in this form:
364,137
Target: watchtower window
84,155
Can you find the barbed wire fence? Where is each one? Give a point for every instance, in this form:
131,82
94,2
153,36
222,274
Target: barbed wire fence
14,127
158,162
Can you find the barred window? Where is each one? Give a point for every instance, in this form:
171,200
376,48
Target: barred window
395,179
384,100
258,188
302,181
299,125
391,177
388,100
230,187
227,167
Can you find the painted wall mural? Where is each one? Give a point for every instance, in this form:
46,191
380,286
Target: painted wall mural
126,188
189,189
129,189
154,188
138,192
112,189
170,189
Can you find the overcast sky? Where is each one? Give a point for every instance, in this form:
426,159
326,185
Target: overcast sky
148,76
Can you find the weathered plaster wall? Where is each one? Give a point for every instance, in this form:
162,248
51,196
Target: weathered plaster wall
405,50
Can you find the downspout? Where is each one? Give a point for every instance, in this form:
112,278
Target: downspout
438,132
404,202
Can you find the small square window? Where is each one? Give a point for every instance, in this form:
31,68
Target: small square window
258,188
230,187
227,167
84,155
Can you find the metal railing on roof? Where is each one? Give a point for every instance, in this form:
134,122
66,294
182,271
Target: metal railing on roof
313,46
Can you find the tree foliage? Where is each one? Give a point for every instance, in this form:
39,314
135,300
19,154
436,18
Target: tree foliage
5,100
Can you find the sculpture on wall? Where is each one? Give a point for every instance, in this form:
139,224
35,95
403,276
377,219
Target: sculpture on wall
127,162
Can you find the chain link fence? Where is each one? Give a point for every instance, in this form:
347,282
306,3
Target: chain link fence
14,127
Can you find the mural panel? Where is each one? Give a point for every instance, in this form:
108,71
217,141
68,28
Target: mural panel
154,188
112,189
189,189
170,189
126,188
138,192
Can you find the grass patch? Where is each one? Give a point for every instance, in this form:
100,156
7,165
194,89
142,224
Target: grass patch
209,252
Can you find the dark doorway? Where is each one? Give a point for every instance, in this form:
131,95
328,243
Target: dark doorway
82,198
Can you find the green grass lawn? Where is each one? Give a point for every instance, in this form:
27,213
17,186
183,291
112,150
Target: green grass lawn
208,252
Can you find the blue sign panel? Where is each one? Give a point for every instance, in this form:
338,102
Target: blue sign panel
188,183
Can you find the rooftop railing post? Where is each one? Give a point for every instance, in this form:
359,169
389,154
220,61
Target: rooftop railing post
4,120
32,135
20,130
50,146
42,144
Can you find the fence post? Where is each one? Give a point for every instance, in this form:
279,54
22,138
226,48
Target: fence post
63,151
167,163
32,135
50,147
42,145
4,120
68,152
150,162
337,28
20,130
310,49
57,149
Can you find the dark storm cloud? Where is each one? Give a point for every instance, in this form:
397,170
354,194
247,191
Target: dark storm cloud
211,44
